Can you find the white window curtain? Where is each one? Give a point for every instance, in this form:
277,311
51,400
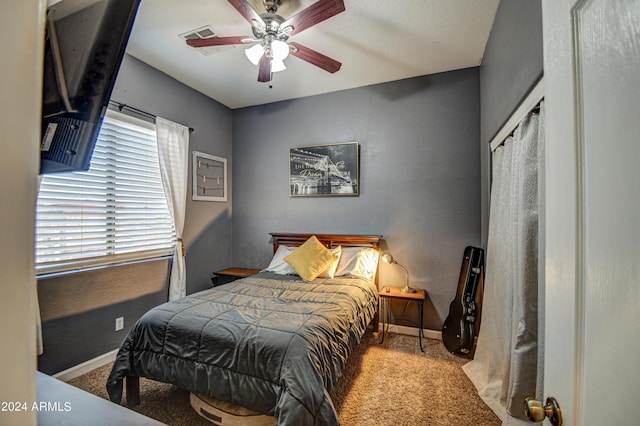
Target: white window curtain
173,153
507,364
39,344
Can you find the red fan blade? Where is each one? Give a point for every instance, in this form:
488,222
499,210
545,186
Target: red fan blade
216,41
264,74
314,14
315,58
246,10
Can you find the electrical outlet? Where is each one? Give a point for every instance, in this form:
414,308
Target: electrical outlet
119,323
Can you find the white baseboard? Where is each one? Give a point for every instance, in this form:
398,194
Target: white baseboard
85,367
411,331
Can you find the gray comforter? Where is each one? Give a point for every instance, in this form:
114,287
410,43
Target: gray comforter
271,343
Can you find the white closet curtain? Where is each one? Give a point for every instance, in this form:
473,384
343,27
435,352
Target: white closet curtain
508,360
173,153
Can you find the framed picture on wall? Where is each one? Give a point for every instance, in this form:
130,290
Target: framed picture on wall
209,177
325,170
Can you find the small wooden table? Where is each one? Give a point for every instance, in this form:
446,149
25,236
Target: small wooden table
387,293
228,275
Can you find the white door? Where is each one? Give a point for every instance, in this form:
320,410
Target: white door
592,213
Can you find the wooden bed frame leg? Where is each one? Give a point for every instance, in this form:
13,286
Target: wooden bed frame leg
133,390
376,321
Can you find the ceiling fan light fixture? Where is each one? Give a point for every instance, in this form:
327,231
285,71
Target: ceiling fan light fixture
277,65
271,32
280,50
254,53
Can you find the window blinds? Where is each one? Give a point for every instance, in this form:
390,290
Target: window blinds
114,212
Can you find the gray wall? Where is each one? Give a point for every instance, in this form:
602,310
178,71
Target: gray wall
511,66
419,176
79,310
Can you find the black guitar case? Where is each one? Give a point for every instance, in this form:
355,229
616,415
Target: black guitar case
458,330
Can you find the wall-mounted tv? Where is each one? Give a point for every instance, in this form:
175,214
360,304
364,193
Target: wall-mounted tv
85,42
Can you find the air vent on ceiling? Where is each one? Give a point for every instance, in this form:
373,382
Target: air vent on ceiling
204,32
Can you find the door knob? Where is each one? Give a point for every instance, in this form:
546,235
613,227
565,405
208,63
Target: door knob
536,412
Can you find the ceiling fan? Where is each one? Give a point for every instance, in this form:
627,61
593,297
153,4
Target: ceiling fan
271,33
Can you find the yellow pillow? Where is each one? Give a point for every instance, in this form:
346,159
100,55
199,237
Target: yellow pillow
310,259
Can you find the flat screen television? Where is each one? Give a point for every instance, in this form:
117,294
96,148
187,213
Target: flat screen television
85,42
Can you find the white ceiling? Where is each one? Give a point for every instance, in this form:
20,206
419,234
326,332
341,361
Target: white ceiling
375,40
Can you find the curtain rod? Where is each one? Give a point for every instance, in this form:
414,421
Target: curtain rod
531,101
122,106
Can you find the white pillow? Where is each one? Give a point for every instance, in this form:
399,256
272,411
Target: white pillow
330,272
358,261
278,264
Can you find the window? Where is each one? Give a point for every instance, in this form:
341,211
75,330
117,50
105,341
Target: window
114,212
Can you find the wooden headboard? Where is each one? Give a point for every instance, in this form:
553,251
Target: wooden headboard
329,240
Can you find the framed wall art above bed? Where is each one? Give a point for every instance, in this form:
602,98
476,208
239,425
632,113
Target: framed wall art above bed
325,170
209,177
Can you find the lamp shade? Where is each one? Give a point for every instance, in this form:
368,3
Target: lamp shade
254,53
387,257
277,65
280,50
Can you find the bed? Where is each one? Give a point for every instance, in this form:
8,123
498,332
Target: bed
273,342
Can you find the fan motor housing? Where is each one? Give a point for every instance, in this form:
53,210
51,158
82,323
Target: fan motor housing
271,5
272,24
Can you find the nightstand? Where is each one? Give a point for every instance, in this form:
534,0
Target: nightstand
387,293
228,275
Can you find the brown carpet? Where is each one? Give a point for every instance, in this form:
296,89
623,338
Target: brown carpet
389,384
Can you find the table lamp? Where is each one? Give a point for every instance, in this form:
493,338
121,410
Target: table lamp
388,258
